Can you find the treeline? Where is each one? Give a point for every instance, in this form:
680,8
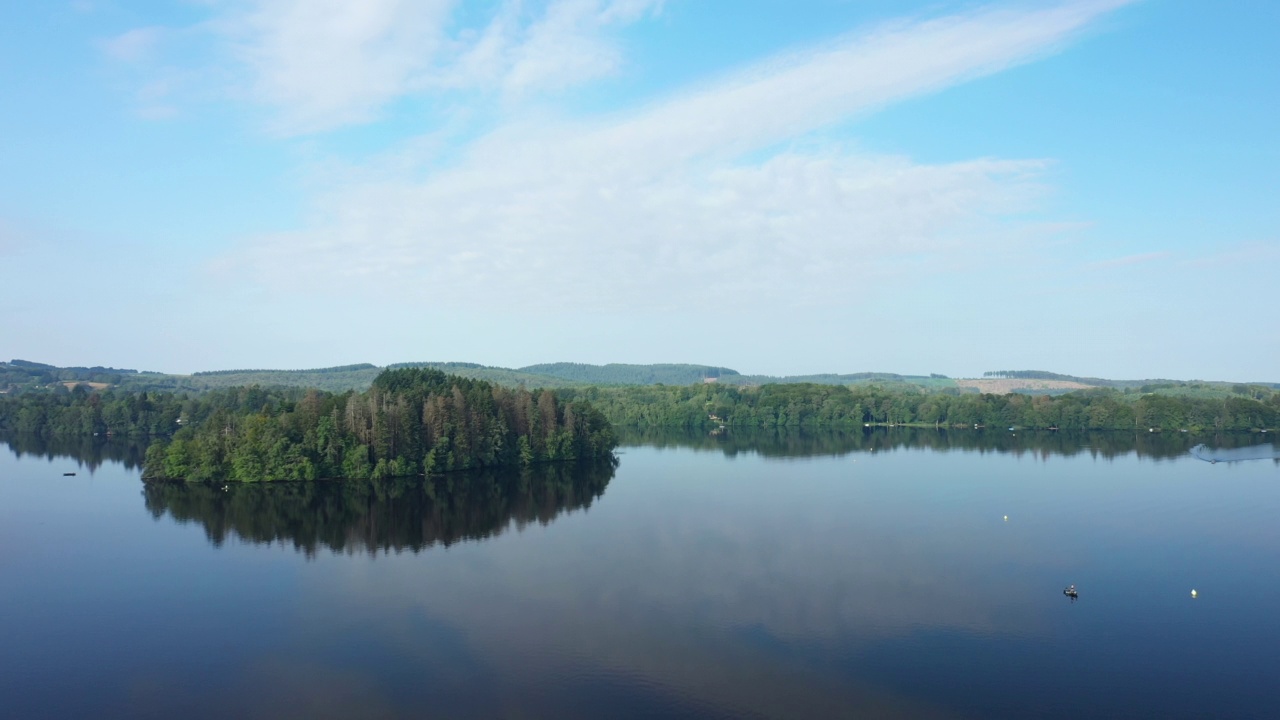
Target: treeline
411,421
82,411
21,376
1042,375
802,405
497,375
419,420
335,379
312,371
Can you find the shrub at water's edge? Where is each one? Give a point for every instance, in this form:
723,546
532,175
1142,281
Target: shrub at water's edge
411,421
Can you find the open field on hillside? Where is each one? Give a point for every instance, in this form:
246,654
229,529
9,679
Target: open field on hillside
1000,386
95,385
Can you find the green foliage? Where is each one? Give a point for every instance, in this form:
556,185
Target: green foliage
815,405
496,375
410,421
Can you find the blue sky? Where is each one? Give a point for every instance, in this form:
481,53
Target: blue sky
831,186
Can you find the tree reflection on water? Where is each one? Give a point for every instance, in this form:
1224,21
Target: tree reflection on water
803,442
89,451
392,515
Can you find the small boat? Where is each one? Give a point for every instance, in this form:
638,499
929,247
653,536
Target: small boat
68,474
1070,591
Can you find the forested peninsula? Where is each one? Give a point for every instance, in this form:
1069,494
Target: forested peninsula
411,421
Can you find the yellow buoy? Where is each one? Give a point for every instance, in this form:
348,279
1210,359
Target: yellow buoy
1193,593
1006,518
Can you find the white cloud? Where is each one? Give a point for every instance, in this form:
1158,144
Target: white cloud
806,227
134,45
157,87
1138,259
568,45
319,65
324,64
659,207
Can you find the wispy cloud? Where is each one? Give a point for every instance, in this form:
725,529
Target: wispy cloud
134,45
658,206
1138,259
324,64
1246,258
139,57
566,47
327,63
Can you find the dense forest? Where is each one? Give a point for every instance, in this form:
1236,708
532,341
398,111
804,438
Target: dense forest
807,405
86,412
411,421
116,412
420,420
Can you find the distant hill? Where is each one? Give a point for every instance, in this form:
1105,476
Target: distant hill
1036,381
1046,375
22,375
935,382
333,379
19,375
499,375
620,374
672,374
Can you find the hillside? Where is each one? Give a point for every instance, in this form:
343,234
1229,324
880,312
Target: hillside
24,375
1000,386
935,382
622,374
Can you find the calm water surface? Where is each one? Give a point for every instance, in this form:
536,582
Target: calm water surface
868,575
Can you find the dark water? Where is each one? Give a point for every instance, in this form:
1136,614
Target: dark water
773,575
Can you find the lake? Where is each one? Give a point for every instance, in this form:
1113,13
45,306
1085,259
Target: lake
863,574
